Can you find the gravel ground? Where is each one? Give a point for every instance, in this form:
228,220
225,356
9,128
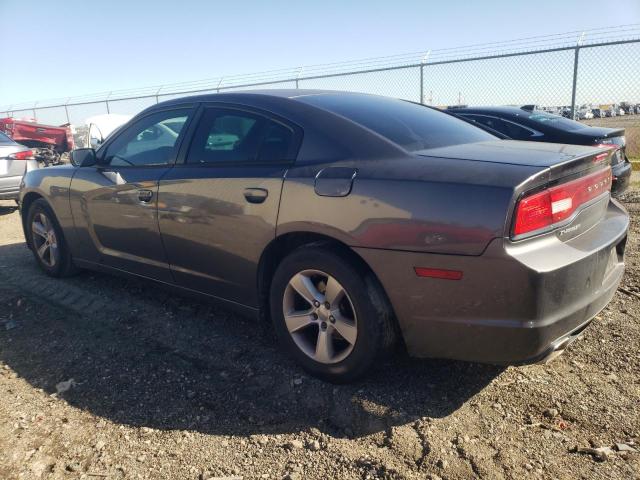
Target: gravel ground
104,377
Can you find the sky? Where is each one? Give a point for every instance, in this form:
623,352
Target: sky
54,49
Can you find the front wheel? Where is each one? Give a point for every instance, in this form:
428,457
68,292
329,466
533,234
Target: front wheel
332,317
47,240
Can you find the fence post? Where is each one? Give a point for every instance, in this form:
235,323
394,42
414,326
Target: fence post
66,109
106,101
576,55
219,83
422,62
298,76
158,93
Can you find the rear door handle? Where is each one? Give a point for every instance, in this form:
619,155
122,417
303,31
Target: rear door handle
145,195
256,195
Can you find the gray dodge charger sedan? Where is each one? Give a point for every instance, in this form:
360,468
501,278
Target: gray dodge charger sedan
351,222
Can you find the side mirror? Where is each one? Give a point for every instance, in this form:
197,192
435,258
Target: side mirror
84,157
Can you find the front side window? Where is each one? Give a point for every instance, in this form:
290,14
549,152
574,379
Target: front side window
233,136
150,141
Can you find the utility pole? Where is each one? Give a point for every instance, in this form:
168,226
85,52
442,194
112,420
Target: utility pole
422,62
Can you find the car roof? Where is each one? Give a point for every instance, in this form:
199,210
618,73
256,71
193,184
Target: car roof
347,137
239,95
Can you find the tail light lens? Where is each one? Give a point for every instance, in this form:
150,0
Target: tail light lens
26,155
542,210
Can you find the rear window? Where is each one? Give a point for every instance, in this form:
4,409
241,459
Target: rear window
507,128
409,125
4,138
556,121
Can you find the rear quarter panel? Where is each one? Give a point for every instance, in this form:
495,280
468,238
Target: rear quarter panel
422,205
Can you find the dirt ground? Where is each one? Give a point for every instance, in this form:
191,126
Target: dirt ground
104,377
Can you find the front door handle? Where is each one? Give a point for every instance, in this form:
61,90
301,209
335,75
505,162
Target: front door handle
145,195
256,195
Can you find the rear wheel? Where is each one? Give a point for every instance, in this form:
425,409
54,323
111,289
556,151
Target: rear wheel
47,241
331,317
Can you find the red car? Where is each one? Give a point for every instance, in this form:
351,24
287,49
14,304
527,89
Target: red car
50,141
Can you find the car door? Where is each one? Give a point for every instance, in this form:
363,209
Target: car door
114,203
218,208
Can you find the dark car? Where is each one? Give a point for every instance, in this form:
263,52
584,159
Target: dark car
540,126
348,220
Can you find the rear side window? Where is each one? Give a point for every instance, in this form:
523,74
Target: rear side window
409,125
234,136
510,129
555,121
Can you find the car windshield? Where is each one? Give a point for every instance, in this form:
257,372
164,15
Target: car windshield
409,125
555,121
5,139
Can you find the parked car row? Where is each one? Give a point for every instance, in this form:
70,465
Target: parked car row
587,112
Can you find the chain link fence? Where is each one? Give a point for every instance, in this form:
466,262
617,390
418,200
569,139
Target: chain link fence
571,74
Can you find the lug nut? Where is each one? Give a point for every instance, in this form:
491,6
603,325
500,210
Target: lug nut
332,319
316,303
327,305
323,325
314,316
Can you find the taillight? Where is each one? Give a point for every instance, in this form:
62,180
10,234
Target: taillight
616,156
25,155
542,210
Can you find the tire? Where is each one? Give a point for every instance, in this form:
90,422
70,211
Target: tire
56,260
341,355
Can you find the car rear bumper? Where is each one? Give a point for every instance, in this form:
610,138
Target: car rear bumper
621,178
519,302
10,187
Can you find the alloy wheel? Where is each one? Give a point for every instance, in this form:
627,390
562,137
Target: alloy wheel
320,316
45,242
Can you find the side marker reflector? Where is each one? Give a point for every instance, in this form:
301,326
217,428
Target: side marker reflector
438,273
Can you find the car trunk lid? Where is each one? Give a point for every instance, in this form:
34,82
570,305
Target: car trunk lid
558,160
599,132
576,178
605,136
